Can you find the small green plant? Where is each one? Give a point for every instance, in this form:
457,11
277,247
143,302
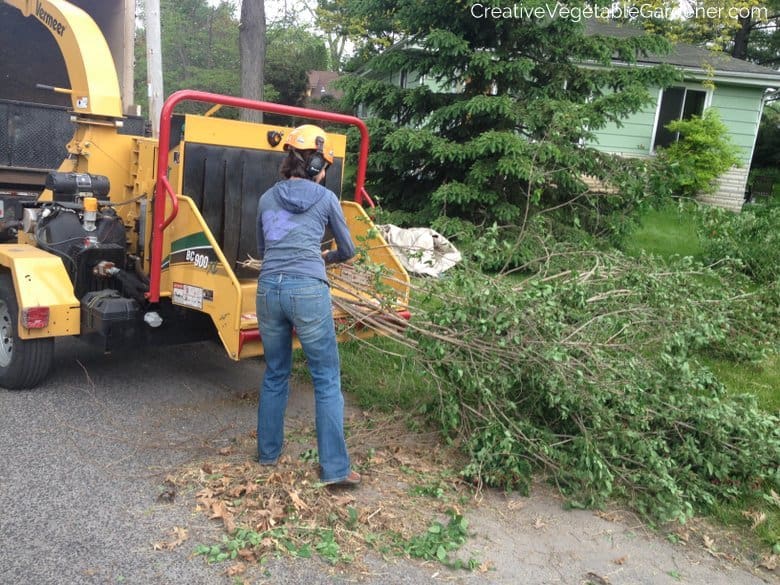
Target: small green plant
692,165
329,549
432,490
310,455
439,541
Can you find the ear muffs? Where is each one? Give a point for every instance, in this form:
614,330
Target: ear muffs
316,163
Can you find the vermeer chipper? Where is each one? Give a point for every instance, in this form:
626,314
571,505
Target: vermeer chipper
138,241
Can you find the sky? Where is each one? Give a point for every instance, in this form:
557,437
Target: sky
275,9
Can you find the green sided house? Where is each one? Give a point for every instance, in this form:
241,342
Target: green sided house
736,89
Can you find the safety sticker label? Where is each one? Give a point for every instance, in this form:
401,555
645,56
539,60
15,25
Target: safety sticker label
191,296
358,278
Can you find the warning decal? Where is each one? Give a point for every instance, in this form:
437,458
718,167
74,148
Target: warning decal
191,296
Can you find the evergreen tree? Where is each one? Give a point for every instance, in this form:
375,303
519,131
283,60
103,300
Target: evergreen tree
497,129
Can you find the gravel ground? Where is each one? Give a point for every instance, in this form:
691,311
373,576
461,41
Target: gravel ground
85,455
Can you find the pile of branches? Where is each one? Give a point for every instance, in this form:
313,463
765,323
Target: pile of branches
583,364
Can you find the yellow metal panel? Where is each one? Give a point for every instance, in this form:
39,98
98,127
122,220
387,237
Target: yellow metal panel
197,275
369,241
220,131
40,280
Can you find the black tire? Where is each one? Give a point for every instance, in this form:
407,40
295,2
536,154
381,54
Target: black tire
24,363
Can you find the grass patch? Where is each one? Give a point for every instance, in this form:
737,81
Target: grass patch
761,380
665,232
379,374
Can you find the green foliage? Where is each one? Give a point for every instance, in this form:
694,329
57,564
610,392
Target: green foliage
291,53
751,237
588,370
692,165
767,153
495,132
199,49
439,541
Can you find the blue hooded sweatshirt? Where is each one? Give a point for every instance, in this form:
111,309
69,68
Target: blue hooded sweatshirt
291,220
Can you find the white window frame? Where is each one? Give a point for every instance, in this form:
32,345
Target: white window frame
686,86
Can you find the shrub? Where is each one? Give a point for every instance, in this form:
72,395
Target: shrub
692,165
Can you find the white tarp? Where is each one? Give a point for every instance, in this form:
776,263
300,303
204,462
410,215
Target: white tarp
421,250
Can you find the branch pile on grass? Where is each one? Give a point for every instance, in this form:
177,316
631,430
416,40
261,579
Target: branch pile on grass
586,369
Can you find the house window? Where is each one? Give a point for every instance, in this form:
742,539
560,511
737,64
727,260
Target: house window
677,103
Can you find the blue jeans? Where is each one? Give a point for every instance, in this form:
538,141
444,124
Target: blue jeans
286,302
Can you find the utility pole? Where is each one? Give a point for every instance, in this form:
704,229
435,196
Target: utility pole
154,74
128,59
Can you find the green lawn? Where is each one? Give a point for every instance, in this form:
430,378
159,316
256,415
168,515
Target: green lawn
762,380
665,232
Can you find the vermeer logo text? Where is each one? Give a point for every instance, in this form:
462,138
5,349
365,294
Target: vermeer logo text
49,20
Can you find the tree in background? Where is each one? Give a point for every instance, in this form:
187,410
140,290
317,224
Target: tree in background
745,29
251,37
200,46
292,52
342,25
767,152
199,49
496,132
758,40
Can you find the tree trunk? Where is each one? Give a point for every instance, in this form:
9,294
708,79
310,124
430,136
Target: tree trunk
741,37
251,40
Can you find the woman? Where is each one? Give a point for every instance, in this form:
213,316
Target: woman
293,294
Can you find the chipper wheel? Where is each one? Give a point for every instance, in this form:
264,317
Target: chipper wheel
24,363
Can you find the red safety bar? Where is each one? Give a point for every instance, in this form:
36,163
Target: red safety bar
163,188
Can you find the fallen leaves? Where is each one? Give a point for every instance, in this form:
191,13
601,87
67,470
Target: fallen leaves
770,562
179,534
286,506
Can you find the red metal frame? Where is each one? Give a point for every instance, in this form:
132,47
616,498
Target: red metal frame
164,190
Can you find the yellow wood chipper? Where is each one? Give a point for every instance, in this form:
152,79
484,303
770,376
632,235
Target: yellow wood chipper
140,241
